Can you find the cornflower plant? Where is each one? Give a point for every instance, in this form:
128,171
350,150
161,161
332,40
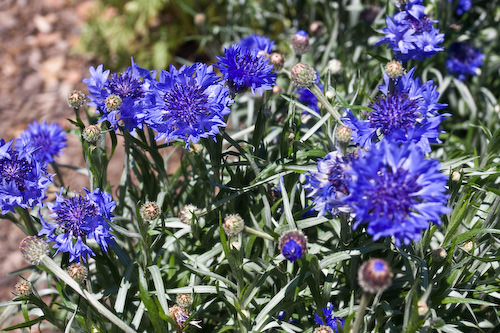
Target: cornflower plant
301,181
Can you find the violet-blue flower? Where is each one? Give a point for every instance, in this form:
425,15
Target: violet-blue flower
188,104
406,112
76,220
395,191
327,186
463,6
463,59
46,140
330,320
128,89
411,34
257,42
23,178
244,69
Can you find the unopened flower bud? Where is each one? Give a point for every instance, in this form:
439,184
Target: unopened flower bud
300,42
323,329
335,66
276,89
468,245
199,19
375,276
150,211
369,13
23,288
422,308
179,315
91,133
343,134
394,69
277,60
33,249
184,300
78,272
293,244
330,94
303,75
113,102
76,98
188,213
455,176
233,224
439,254
316,28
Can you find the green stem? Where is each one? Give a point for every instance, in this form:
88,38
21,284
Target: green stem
29,222
258,233
58,173
324,101
60,273
365,298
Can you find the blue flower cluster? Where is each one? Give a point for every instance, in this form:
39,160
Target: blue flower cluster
78,219
463,59
330,320
411,34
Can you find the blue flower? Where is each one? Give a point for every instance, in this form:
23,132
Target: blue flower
78,219
23,178
407,112
331,321
46,140
463,60
411,34
293,244
245,68
188,104
257,42
463,6
395,191
327,186
130,87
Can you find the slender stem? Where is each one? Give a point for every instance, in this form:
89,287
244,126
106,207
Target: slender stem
60,273
258,233
365,298
324,101
29,222
58,173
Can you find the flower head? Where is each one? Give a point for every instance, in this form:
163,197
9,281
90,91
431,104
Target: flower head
411,33
78,272
150,211
244,68
233,224
327,186
23,288
463,6
300,42
46,140
78,219
375,275
188,213
23,178
406,112
257,42
463,60
293,244
330,320
395,191
33,249
303,75
120,97
188,104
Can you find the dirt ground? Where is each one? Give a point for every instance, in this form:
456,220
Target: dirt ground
38,70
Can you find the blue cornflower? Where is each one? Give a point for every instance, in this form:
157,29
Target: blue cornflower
120,98
78,219
407,112
327,186
463,60
246,68
257,42
395,191
23,178
463,6
293,245
189,104
411,34
46,140
331,321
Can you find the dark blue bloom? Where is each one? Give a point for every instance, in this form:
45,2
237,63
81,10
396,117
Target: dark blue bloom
130,87
78,219
411,34
189,104
46,140
257,42
463,6
395,191
23,178
293,244
331,321
407,112
463,60
246,68
327,186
